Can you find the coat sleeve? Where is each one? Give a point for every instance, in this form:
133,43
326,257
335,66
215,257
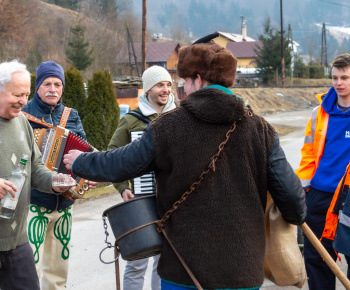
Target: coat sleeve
285,187
307,167
119,139
130,161
41,176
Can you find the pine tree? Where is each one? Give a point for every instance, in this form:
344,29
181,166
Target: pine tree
78,52
74,91
102,110
269,55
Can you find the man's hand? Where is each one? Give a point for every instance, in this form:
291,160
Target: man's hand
92,184
64,188
5,186
69,158
127,194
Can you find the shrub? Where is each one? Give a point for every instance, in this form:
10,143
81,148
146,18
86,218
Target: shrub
102,110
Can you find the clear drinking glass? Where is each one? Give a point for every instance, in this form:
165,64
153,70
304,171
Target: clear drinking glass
60,179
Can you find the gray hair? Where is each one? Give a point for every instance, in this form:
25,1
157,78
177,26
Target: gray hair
7,69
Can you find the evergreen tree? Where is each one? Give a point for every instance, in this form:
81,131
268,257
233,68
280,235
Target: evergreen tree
78,52
70,4
74,91
300,69
34,59
32,86
269,55
102,110
108,7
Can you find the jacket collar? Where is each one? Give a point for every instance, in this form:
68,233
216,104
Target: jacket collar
43,107
147,109
214,106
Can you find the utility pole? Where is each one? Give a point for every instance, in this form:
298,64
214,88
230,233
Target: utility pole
144,32
290,38
131,43
324,60
282,46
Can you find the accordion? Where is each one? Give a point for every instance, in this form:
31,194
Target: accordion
53,143
144,184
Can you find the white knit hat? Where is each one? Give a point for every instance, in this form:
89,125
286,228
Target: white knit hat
154,75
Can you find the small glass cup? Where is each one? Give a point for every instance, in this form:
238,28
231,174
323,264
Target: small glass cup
60,179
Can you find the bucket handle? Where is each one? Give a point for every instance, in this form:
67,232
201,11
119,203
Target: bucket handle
109,245
104,262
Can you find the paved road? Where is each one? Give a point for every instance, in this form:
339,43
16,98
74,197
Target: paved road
86,270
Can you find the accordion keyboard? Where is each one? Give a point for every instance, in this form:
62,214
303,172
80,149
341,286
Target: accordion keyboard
144,184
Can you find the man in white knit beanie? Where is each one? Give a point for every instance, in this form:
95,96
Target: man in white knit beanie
156,87
156,99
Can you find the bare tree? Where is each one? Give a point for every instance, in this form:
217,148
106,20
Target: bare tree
312,45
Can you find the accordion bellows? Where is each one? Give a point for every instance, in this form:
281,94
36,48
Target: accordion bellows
53,143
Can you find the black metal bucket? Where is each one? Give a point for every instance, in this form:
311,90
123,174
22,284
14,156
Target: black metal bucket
126,216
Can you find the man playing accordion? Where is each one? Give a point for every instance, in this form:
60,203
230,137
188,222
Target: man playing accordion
50,216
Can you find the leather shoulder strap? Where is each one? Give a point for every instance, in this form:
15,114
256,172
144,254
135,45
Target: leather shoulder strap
65,115
140,116
31,118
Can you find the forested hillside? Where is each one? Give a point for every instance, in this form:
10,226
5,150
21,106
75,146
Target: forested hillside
35,31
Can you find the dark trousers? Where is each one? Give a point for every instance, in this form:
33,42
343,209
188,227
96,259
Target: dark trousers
319,274
17,269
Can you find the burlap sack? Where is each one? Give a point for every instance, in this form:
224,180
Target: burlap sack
284,264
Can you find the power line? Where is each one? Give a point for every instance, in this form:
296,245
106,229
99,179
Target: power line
330,2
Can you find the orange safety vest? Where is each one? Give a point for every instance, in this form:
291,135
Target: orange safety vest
312,151
333,217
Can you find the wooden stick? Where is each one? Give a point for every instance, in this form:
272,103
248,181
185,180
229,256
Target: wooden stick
117,273
325,255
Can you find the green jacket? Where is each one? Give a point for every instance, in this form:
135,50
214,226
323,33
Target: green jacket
122,137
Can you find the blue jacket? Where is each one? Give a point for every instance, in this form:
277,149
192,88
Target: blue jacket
336,154
52,115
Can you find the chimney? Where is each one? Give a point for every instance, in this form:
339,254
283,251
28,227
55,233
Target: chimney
156,37
244,33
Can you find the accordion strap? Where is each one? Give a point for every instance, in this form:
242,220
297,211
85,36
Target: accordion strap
37,120
63,121
65,115
140,116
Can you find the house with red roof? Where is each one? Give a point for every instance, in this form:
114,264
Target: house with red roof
243,48
163,53
246,55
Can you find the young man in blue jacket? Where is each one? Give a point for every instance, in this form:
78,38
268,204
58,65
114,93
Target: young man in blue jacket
325,155
50,216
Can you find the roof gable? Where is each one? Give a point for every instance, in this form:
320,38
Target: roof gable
155,52
244,49
235,37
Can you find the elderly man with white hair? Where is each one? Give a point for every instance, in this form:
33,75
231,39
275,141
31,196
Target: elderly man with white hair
17,268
